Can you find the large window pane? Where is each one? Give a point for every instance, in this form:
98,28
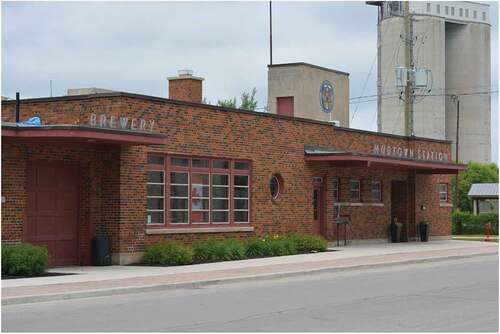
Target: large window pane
199,217
221,192
155,217
199,191
221,164
178,203
199,204
241,165
241,216
155,177
240,204
200,163
179,217
155,203
179,191
155,189
179,178
220,204
241,180
240,192
218,179
155,160
197,178
220,216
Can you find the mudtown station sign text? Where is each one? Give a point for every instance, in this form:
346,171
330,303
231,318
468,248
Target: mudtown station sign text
398,151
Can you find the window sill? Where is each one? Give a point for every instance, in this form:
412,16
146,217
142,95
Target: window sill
219,229
446,205
360,204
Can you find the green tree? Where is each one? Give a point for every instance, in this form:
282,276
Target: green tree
475,173
230,103
248,100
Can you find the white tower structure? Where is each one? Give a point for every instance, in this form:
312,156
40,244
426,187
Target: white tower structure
452,40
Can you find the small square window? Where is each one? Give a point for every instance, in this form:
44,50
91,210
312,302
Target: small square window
452,11
484,16
182,162
240,165
438,9
355,190
428,7
443,192
200,163
220,164
446,11
474,14
376,191
155,160
335,189
466,13
461,12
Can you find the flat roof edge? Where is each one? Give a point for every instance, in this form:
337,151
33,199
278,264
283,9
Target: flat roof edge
310,65
217,108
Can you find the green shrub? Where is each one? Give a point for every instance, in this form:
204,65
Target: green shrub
282,246
170,253
24,260
256,247
306,243
467,223
214,250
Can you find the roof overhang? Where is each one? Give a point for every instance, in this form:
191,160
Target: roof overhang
352,159
80,134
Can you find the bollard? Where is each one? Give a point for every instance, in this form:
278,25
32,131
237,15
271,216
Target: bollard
488,226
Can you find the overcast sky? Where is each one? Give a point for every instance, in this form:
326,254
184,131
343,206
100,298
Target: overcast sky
134,46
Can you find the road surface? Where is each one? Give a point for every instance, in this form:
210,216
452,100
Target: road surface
452,296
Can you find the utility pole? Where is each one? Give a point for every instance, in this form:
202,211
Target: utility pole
408,39
270,33
457,100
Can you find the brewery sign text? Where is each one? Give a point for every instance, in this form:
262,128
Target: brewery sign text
400,152
121,122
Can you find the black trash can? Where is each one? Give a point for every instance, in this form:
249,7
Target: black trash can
424,231
101,251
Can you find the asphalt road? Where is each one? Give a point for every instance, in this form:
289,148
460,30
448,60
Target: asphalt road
452,296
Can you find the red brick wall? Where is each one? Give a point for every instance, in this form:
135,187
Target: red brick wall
189,90
274,145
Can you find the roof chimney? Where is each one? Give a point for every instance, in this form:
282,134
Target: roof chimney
185,87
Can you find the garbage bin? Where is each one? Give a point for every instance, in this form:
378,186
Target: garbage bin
101,251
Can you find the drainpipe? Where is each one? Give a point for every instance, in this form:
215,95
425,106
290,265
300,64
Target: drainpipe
17,107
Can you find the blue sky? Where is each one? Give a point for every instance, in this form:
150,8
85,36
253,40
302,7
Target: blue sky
134,46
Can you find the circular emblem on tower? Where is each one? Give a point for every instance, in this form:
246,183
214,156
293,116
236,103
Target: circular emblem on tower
326,96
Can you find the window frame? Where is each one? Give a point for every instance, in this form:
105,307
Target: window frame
443,192
231,171
336,189
358,199
156,168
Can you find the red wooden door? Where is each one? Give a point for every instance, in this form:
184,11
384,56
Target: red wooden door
52,210
318,207
399,203
285,105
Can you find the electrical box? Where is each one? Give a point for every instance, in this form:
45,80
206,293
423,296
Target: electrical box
421,77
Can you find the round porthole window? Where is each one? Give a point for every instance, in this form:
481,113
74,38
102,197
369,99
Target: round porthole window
274,186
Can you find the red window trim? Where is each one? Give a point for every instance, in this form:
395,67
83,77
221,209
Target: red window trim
355,200
447,192
381,198
231,171
337,179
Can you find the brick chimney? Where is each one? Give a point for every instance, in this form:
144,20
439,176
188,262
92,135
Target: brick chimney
185,87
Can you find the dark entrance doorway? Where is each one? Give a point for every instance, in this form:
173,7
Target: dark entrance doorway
399,204
318,210
52,210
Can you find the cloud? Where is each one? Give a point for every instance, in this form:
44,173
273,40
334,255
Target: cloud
134,46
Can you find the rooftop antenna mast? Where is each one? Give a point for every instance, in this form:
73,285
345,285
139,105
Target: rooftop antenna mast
270,32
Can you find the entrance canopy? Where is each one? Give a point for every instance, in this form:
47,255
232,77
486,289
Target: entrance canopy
79,134
355,159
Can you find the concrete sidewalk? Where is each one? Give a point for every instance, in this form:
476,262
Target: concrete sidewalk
100,281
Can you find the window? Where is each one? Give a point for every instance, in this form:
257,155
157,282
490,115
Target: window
376,191
443,192
467,13
452,11
446,10
474,14
274,186
155,184
484,16
428,7
335,189
461,12
197,191
355,190
284,106
438,9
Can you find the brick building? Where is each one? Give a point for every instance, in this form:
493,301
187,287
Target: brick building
141,169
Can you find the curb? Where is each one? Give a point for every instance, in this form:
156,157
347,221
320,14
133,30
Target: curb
211,282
